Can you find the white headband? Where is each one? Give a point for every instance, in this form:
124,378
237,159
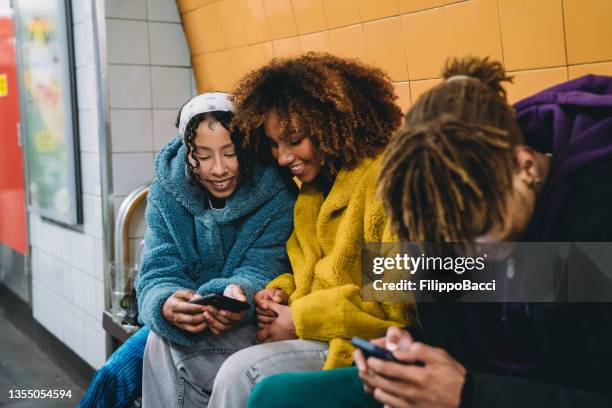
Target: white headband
207,102
460,77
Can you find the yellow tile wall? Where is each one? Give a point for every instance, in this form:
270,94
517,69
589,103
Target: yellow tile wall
541,42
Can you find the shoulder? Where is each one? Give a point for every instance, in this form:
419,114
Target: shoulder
586,210
271,185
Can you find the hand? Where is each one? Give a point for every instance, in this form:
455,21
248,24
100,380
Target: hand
263,299
220,321
437,384
186,316
281,328
396,339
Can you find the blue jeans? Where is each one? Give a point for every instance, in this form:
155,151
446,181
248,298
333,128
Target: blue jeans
118,383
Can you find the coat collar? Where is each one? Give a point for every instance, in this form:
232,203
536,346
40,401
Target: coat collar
312,206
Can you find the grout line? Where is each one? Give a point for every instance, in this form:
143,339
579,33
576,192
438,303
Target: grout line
134,64
501,37
564,33
141,20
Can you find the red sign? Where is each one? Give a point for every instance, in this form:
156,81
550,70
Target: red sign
12,193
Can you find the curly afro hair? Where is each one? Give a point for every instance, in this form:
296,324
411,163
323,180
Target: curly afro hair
346,108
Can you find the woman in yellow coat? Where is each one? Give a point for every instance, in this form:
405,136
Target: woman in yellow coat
325,121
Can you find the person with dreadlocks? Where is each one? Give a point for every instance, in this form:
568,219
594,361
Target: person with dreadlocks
325,121
217,223
468,168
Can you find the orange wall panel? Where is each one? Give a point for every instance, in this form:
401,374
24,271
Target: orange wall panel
542,42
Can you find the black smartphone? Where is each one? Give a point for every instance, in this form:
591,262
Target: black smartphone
221,302
372,350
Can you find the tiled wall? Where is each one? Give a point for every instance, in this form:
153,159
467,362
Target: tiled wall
150,77
541,42
67,265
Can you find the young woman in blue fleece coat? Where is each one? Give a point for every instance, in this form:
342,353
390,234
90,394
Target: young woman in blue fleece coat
218,223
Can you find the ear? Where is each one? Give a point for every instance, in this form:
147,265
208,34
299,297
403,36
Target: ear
528,170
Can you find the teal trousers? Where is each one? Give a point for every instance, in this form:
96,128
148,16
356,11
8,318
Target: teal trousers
333,388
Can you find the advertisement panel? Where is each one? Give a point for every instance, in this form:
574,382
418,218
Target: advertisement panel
46,71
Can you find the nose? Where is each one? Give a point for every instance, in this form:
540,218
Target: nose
218,169
285,157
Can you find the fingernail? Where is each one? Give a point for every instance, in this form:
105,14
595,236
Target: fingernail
391,346
404,344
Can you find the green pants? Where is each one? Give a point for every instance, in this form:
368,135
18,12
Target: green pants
334,388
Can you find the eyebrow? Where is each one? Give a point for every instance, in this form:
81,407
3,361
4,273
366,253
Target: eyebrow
225,146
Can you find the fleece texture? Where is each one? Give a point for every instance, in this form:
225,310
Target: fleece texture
190,246
325,253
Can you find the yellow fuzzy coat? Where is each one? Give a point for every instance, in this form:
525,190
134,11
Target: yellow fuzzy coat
325,254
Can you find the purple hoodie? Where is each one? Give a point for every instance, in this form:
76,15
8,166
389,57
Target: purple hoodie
573,121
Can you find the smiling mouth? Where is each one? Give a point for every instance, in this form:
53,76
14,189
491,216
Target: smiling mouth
297,169
220,185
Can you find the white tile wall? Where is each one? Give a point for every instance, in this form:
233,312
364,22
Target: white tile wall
131,130
90,173
92,214
168,45
83,43
97,262
88,131
130,86
128,42
86,87
95,345
172,87
132,9
131,170
163,10
81,10
163,127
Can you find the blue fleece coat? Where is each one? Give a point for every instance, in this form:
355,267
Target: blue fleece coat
190,246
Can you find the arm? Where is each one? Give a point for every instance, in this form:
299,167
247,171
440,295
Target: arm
340,312
162,273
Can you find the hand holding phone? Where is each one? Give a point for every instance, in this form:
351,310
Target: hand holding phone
372,350
221,302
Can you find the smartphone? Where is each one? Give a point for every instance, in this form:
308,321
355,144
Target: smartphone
372,350
221,302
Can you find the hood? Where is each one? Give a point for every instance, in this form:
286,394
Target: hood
170,173
573,122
